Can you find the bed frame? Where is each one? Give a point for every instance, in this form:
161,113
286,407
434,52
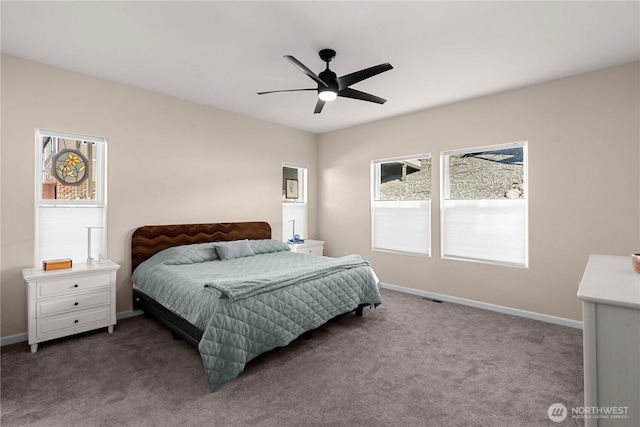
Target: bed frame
148,240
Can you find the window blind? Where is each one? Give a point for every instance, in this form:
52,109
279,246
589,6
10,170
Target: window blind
486,230
402,226
294,212
62,232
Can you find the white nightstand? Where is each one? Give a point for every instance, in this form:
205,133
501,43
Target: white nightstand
68,301
312,247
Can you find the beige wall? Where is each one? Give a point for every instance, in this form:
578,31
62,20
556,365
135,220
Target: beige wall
584,186
169,161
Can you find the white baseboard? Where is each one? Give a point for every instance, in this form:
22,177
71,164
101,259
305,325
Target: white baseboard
129,313
486,306
14,339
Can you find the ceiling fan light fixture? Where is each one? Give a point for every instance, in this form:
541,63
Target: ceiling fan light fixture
327,95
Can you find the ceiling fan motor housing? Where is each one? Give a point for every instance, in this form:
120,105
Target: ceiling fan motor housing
331,80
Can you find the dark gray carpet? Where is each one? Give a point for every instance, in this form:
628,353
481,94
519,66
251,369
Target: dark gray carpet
410,362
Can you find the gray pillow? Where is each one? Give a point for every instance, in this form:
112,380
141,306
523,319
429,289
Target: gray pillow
234,249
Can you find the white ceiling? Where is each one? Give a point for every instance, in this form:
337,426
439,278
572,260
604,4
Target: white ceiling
221,53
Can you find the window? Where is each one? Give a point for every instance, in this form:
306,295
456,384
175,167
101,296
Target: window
484,206
294,202
401,204
70,196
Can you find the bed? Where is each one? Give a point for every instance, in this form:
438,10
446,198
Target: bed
234,292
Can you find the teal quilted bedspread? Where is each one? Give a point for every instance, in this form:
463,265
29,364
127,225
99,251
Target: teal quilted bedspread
247,306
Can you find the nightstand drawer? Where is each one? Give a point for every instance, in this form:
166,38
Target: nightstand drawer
314,250
72,303
76,319
65,286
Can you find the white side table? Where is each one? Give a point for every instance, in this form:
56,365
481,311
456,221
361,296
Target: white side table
69,301
310,246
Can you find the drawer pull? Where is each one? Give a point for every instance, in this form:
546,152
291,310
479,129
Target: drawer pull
75,286
75,303
76,321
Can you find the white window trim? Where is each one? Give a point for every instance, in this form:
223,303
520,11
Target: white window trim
101,189
101,192
445,191
302,202
375,172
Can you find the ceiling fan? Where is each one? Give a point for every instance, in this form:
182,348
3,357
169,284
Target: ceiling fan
331,86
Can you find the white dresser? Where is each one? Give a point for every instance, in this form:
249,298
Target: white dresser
310,246
610,294
68,301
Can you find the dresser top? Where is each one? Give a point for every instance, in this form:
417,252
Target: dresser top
610,280
80,268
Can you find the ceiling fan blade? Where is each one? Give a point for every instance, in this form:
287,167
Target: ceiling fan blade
286,90
305,70
362,96
358,76
319,106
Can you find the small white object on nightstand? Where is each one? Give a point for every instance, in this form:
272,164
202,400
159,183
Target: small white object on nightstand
310,246
69,301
